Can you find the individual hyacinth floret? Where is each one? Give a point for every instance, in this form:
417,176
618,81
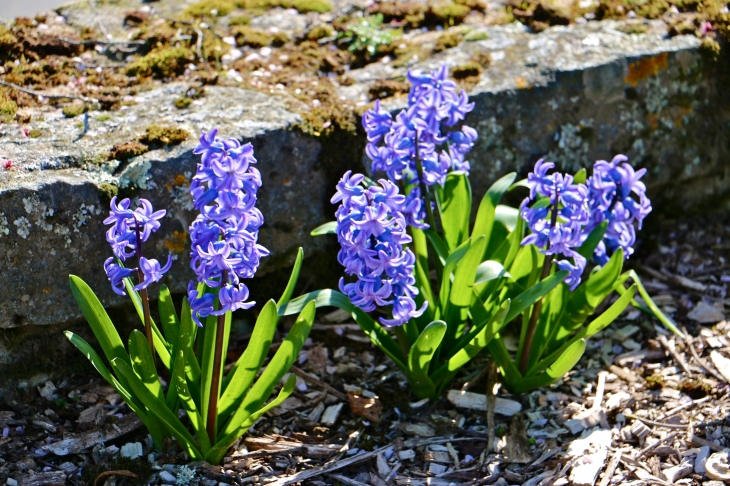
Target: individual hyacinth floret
129,229
225,233
617,196
556,221
371,230
418,131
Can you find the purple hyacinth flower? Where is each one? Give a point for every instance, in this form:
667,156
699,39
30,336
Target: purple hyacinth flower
152,271
116,275
200,306
617,196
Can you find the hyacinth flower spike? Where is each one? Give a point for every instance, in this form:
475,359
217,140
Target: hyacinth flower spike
220,406
129,229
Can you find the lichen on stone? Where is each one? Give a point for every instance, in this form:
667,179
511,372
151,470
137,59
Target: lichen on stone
23,225
136,175
4,230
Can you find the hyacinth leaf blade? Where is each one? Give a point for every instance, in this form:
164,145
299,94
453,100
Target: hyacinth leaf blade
514,239
102,327
527,298
580,176
490,270
462,294
439,245
188,331
142,363
594,238
275,370
216,454
423,282
526,265
507,216
650,307
502,358
449,266
562,365
168,318
159,409
293,278
206,349
548,323
329,228
333,298
162,347
597,325
485,329
420,357
249,363
180,384
149,421
486,213
454,203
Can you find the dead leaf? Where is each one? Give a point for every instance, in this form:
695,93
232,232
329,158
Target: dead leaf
368,408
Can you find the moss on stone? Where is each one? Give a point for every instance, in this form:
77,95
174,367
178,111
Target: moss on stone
73,110
249,36
35,133
127,150
107,192
710,48
239,20
385,88
321,31
162,63
305,6
467,70
158,135
445,41
183,102
104,117
208,8
450,13
476,35
8,107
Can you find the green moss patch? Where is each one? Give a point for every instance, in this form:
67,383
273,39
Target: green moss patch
162,63
127,150
157,135
73,110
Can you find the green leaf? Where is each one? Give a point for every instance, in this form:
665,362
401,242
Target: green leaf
162,347
168,317
98,319
134,404
277,367
556,371
250,362
372,329
653,308
420,357
462,290
325,229
218,452
484,222
206,348
289,290
594,238
515,239
179,382
508,216
142,364
158,408
441,248
597,325
449,267
507,368
580,176
485,330
454,203
534,293
490,270
188,330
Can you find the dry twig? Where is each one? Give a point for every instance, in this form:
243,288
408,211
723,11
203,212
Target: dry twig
317,382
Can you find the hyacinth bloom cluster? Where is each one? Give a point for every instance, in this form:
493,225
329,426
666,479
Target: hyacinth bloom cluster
616,195
562,221
129,229
557,223
417,132
225,233
371,229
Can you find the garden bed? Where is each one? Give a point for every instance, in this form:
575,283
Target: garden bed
641,407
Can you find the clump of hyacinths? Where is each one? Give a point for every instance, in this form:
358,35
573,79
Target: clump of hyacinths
571,222
220,407
491,279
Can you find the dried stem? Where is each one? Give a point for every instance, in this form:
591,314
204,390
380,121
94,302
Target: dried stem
143,294
212,425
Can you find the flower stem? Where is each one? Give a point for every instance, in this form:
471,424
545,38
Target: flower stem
546,265
405,344
212,425
530,335
429,212
143,294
